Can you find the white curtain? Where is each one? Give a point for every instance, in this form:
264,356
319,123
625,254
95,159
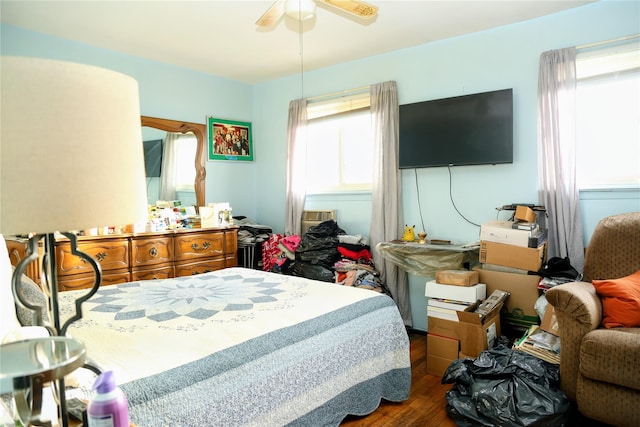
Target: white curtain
557,187
296,161
386,204
167,189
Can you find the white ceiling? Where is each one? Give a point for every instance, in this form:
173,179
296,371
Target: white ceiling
221,38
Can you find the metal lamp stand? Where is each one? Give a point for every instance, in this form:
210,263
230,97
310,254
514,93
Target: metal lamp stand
49,285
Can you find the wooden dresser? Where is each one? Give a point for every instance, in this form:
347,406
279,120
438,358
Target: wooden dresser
139,256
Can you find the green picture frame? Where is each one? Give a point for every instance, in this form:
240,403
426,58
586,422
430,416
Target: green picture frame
229,140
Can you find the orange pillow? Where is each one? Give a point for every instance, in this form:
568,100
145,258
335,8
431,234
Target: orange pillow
620,301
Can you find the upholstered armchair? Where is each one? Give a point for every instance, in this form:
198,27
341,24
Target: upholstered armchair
600,367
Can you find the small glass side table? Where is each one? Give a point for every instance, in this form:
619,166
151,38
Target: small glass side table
25,366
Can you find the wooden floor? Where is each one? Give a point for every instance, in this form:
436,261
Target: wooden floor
426,404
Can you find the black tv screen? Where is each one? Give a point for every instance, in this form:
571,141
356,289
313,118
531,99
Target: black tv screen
153,157
463,130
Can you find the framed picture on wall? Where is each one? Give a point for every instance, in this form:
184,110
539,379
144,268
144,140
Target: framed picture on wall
229,140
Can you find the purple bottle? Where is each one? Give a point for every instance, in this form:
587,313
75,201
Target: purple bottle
108,408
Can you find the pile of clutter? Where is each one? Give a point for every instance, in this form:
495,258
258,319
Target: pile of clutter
250,231
557,271
326,253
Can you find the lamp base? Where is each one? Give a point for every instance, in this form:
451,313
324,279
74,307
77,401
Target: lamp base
49,286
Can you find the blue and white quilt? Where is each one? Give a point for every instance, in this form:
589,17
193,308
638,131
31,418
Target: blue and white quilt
246,347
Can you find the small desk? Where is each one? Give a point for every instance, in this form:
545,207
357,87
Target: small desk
425,259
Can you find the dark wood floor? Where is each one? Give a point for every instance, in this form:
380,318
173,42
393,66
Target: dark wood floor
426,403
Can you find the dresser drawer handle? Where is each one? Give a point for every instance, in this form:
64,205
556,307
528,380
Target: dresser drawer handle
153,252
205,245
100,256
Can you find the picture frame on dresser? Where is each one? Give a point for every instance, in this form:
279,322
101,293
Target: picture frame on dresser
229,140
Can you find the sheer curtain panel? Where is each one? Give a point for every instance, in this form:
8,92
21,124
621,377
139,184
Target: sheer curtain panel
296,161
168,170
386,198
557,185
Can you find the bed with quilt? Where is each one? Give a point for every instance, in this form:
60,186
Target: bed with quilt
246,347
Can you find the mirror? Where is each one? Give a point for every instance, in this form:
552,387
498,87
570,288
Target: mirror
200,132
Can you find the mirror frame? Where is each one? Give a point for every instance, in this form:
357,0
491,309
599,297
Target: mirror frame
200,132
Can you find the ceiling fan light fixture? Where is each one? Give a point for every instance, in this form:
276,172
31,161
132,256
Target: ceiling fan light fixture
300,10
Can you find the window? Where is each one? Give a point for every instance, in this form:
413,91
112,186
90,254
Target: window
185,152
339,150
608,117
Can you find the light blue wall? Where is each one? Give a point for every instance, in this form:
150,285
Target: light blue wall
506,57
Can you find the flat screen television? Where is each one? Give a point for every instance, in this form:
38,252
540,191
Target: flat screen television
153,157
472,129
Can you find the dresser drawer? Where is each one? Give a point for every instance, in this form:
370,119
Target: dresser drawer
153,273
111,254
18,249
83,281
199,267
194,246
151,251
231,260
231,242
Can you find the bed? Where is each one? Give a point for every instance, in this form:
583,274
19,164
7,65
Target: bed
246,347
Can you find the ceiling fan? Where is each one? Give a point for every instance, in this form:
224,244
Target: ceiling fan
305,9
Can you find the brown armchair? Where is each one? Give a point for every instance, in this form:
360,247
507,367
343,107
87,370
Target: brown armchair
600,368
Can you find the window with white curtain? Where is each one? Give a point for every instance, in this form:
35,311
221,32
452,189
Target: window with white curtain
339,150
185,165
608,116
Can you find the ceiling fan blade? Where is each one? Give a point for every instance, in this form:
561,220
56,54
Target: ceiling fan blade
355,7
272,15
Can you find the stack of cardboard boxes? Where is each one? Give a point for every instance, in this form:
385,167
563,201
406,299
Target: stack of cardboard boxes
457,331
511,252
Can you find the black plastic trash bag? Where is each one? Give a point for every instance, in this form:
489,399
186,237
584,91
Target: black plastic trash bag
326,228
320,244
310,271
503,387
322,250
559,267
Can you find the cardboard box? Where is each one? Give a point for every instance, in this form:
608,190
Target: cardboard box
441,351
442,313
458,293
525,214
503,232
457,277
437,365
478,333
442,327
519,308
524,258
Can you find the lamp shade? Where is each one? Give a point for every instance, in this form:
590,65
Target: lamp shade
300,9
71,147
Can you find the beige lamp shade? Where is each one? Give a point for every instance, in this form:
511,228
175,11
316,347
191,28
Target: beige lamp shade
71,147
